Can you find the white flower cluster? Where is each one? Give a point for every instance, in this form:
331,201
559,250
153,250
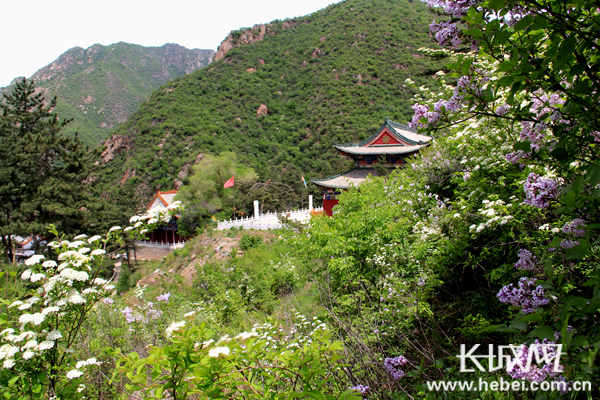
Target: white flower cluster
490,210
174,327
385,254
30,348
66,292
420,228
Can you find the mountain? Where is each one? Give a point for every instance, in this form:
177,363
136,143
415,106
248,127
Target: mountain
279,94
99,87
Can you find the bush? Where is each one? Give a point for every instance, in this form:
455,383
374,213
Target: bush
124,278
250,241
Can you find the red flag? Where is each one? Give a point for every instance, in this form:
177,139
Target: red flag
229,183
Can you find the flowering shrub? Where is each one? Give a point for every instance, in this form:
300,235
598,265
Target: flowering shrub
527,296
539,191
546,354
527,260
393,366
42,330
266,361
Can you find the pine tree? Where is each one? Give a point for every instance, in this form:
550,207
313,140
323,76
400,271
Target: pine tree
42,172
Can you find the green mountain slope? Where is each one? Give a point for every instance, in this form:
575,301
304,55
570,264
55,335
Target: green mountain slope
332,76
99,87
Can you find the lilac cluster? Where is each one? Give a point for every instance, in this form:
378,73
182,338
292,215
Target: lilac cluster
362,389
540,190
108,301
527,296
567,244
542,104
164,297
133,316
596,136
526,261
503,109
575,227
393,366
446,33
451,105
535,134
422,112
518,368
130,316
457,8
517,156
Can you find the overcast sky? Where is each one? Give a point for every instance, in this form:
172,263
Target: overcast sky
36,32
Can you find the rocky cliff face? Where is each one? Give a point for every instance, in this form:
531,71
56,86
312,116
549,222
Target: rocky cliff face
99,87
236,39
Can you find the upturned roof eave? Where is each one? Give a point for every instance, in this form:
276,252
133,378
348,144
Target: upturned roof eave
386,149
392,129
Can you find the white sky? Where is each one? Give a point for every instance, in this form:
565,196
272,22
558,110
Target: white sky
36,32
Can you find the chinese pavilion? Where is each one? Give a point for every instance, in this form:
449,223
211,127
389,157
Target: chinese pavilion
393,142
166,233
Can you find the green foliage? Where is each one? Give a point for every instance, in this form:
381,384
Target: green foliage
42,170
366,50
205,195
249,242
254,365
99,87
123,283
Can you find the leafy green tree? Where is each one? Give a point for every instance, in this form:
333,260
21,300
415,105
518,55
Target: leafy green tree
43,172
205,194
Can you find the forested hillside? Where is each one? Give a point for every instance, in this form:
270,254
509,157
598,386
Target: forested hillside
99,87
281,96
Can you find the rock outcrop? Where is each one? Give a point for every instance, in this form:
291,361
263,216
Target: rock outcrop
114,146
249,36
262,110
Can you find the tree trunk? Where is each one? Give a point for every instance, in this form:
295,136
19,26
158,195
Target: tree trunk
10,250
128,263
135,253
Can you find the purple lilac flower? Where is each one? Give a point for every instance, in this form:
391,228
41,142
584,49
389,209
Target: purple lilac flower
108,301
501,110
445,33
540,190
422,112
535,134
596,136
527,296
362,389
518,368
421,281
568,244
128,312
574,227
154,314
557,335
457,8
517,156
526,261
164,297
393,366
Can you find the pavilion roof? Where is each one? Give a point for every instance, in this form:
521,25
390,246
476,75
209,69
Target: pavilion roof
165,199
379,149
353,177
391,138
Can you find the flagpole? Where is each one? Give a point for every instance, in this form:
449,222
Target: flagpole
234,215
302,200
